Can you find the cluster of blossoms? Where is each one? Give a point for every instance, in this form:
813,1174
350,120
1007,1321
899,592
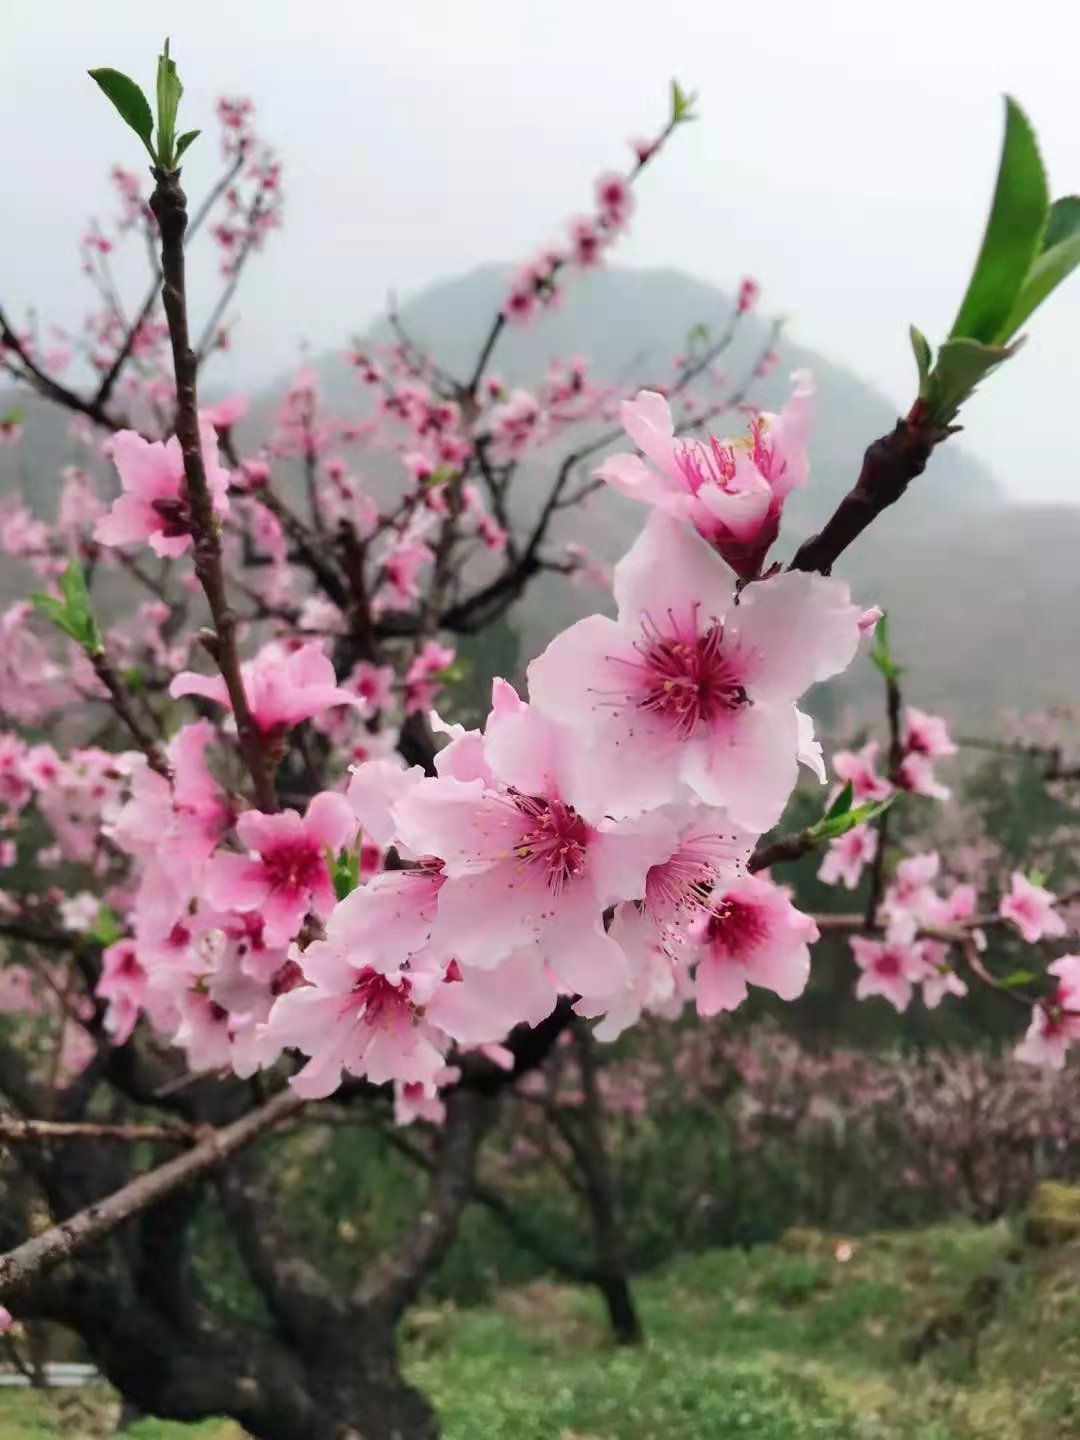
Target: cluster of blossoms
535,286
923,919
590,842
589,845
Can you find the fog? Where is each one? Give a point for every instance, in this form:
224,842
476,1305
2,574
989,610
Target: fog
844,156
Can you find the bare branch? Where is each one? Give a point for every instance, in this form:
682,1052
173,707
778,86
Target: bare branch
20,1267
169,204
14,1131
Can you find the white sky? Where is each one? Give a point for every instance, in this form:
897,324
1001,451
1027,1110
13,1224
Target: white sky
845,156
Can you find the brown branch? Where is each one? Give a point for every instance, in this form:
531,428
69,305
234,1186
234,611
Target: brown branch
112,375
896,756
15,1131
308,545
513,1222
786,847
39,380
888,467
962,935
499,323
106,672
20,1267
169,205
394,1281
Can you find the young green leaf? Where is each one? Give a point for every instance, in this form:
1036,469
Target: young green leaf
831,826
842,804
881,654
1059,257
682,104
105,929
169,91
961,366
72,613
924,359
130,101
185,140
863,814
344,870
1064,221
1014,232
1020,977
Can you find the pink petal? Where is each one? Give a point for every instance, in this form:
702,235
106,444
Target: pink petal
210,687
670,569
631,476
803,629
466,825
749,766
235,882
330,820
647,420
482,918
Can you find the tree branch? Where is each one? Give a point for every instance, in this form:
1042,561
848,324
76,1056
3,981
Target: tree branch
169,204
393,1282
20,1267
888,467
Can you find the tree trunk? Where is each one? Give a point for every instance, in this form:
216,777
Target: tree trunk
593,1161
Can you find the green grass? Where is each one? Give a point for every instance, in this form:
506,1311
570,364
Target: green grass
784,1342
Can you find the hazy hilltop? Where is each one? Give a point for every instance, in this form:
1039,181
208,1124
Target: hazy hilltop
983,593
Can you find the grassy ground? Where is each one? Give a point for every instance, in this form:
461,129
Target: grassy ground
787,1342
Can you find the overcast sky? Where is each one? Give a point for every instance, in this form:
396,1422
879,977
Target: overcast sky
845,156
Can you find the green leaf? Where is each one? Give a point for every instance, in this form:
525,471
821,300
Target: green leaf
924,359
169,91
881,654
129,101
961,366
842,804
696,333
344,870
682,104
1020,977
863,814
1056,261
184,141
105,929
1014,232
831,826
14,416
1064,221
72,612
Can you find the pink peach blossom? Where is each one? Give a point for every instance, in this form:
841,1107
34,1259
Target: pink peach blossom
687,687
889,969
857,768
154,506
283,687
358,1020
1031,909
287,874
847,855
732,491
754,935
926,734
524,867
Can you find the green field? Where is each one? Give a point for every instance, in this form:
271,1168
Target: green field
785,1342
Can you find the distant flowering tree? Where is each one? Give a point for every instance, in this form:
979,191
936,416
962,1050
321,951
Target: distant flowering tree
298,882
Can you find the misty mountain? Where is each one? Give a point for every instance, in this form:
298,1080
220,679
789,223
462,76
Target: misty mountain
980,591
